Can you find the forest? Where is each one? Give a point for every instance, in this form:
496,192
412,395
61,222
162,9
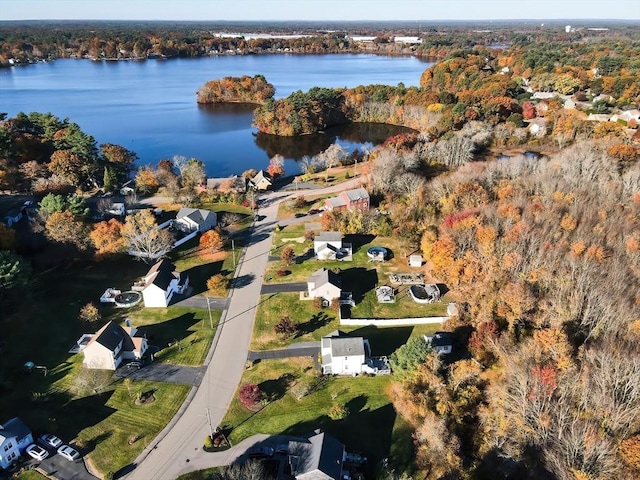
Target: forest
244,89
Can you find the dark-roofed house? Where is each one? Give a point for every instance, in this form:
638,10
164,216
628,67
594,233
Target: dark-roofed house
160,283
441,342
329,246
344,355
262,181
195,219
324,284
113,344
15,436
357,199
318,457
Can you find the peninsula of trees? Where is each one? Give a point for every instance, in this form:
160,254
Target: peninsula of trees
243,89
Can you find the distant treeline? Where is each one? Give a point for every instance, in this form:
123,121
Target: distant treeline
27,42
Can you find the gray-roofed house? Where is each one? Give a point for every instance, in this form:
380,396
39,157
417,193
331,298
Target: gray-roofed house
160,283
15,436
195,219
329,246
113,344
356,199
441,342
261,181
344,355
324,284
318,457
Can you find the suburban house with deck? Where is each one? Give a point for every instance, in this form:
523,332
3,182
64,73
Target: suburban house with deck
344,355
262,181
160,283
357,199
113,344
329,246
195,220
15,436
325,284
317,457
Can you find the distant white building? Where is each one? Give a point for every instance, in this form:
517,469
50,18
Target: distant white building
195,219
329,246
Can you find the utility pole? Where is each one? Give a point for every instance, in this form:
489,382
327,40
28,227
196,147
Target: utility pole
209,422
233,252
209,308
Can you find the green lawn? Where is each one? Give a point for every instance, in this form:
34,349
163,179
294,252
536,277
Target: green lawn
199,474
369,428
313,323
404,306
117,429
182,334
29,475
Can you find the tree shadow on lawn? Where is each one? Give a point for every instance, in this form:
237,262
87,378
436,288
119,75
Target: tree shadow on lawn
164,333
318,320
367,432
84,412
359,281
276,388
383,341
199,275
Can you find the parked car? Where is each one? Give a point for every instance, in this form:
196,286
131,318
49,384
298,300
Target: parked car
37,452
260,452
69,453
50,440
137,365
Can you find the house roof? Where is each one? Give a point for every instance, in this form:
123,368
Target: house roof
439,339
356,194
323,276
328,237
110,337
320,453
161,274
335,202
347,346
197,215
261,175
13,428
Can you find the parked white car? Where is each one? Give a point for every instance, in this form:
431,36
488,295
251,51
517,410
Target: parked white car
69,453
37,452
49,440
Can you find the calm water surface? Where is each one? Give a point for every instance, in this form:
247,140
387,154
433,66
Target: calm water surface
149,106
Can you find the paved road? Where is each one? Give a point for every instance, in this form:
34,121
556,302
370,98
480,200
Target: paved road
161,372
283,287
178,449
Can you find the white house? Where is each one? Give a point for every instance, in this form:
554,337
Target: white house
195,219
538,127
160,283
626,116
262,181
415,260
329,246
117,209
344,355
15,436
113,344
324,284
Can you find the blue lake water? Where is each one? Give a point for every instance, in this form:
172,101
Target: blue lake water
150,106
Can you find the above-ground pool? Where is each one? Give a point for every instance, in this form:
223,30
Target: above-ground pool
377,253
425,293
127,299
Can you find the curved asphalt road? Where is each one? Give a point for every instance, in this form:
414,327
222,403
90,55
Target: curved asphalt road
178,449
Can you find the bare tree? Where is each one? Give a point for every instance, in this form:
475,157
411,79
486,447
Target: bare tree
144,239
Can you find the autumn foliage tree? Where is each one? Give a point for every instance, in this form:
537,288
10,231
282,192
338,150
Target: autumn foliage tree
62,227
210,242
107,237
217,283
250,395
288,255
286,327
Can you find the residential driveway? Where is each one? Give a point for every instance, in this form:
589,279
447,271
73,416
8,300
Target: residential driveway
283,287
290,352
62,469
161,372
217,303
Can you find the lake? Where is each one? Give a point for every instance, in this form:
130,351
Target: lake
150,106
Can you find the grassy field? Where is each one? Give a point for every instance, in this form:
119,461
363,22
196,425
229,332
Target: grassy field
199,474
30,475
182,334
371,427
125,429
313,323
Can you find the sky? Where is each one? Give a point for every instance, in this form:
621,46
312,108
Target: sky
348,10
